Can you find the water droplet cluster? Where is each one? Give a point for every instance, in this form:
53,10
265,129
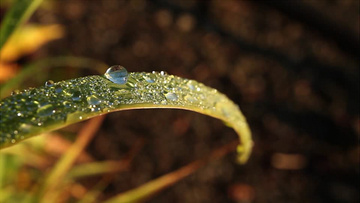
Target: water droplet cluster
37,110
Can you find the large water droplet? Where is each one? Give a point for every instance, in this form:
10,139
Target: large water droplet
117,74
171,96
45,110
49,83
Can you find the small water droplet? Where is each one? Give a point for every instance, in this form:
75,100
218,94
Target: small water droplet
190,98
117,74
149,78
25,127
67,104
19,114
123,91
163,73
76,96
49,83
58,89
171,96
93,100
190,84
95,109
45,110
15,92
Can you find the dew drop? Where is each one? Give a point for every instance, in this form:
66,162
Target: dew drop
117,74
49,83
171,96
123,91
45,110
25,127
93,100
163,73
190,98
191,85
95,109
15,92
67,104
58,89
149,79
222,107
76,96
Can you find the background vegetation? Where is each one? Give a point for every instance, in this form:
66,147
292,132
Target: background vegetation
293,68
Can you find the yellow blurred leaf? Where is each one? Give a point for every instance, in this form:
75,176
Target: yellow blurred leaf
7,71
29,38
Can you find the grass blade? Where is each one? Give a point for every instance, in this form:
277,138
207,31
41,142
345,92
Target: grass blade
58,172
38,110
96,168
149,189
19,12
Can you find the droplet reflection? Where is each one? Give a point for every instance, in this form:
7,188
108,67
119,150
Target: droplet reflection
117,74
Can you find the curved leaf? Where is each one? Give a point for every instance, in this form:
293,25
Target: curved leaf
55,105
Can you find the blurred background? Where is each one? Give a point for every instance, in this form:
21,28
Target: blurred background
291,66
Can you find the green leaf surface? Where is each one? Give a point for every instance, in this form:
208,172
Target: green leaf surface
55,105
19,12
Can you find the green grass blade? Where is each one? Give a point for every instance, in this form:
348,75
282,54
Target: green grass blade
19,12
53,106
95,168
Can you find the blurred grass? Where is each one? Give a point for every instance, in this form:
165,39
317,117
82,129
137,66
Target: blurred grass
50,188
28,39
29,156
147,190
38,67
19,12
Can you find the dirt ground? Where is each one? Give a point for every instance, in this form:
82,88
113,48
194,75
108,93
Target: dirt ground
292,67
